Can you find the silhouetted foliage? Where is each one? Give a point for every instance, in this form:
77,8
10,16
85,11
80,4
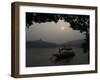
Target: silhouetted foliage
85,45
78,22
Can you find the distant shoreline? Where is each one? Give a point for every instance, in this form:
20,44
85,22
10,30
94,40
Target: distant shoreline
44,44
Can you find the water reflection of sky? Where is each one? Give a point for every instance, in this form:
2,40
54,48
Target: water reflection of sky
53,32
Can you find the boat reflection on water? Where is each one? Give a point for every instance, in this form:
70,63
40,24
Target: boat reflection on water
64,54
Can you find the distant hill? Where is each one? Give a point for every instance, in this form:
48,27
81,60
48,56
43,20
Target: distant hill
40,44
74,43
44,44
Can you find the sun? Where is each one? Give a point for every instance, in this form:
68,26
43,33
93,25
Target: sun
62,28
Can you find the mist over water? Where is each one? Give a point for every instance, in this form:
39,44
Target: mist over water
59,33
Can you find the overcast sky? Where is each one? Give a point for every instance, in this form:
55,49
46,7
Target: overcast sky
53,32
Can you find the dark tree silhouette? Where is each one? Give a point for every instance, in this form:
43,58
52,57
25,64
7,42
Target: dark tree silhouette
77,22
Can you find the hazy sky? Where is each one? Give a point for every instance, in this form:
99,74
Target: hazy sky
53,32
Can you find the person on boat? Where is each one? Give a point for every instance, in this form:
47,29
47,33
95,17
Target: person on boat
59,51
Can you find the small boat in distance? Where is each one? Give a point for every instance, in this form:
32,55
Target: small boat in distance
65,53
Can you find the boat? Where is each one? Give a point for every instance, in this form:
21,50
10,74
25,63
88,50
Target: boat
64,53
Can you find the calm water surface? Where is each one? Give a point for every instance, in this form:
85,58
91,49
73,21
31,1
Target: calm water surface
44,57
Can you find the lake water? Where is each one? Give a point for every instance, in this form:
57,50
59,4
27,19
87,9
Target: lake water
44,57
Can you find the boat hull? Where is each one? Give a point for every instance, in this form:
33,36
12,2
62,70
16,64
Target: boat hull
64,55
